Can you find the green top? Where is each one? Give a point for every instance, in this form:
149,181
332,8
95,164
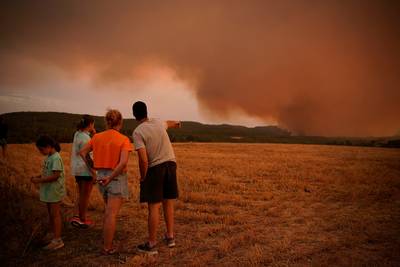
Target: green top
53,191
78,166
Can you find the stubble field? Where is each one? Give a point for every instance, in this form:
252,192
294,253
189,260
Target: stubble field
240,205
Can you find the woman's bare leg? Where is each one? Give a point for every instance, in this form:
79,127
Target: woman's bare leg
110,218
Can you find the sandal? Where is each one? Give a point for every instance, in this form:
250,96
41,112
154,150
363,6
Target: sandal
109,252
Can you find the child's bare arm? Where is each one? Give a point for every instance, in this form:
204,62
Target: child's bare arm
39,179
51,178
173,124
35,178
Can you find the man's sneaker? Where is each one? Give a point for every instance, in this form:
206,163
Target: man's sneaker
146,248
54,244
169,241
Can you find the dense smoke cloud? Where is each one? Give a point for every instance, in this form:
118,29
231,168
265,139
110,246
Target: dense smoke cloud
316,67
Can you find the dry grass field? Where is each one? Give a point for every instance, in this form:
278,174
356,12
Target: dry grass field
240,205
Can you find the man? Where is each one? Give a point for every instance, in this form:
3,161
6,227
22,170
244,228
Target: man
3,136
158,183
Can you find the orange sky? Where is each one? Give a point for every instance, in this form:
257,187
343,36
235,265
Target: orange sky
315,67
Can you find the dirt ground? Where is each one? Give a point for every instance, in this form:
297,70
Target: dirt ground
240,205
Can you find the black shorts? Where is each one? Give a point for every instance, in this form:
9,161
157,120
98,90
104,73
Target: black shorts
83,178
160,183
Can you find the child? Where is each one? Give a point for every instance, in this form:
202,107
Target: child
83,176
52,187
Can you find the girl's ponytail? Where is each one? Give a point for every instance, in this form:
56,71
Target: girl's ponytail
85,121
79,126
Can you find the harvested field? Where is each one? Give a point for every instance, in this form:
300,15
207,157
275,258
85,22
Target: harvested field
240,205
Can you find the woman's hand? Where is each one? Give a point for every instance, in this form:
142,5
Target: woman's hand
105,181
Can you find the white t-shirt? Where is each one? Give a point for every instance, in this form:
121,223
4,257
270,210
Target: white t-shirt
78,166
153,136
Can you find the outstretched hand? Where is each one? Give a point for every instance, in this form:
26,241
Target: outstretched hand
173,124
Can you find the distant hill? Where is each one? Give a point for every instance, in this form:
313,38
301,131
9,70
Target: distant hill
25,127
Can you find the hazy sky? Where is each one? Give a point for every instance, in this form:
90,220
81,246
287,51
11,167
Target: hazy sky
165,96
315,67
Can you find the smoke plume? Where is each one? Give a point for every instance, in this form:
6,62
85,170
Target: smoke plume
315,67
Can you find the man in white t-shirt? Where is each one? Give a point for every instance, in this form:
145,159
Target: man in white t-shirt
158,182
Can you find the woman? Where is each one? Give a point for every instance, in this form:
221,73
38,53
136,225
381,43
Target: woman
110,157
83,175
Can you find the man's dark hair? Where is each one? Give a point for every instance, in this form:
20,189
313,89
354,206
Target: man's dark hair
139,110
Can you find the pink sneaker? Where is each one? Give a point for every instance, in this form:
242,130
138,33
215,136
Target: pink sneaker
73,218
87,223
78,223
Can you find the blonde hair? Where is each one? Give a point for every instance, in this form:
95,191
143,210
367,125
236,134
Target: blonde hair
113,118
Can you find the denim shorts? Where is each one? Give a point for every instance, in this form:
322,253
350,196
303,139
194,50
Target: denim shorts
116,188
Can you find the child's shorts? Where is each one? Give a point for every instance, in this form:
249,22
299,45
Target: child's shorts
116,188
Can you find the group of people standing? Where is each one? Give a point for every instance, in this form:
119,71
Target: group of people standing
102,158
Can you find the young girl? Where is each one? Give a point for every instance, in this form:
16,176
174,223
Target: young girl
83,175
52,187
